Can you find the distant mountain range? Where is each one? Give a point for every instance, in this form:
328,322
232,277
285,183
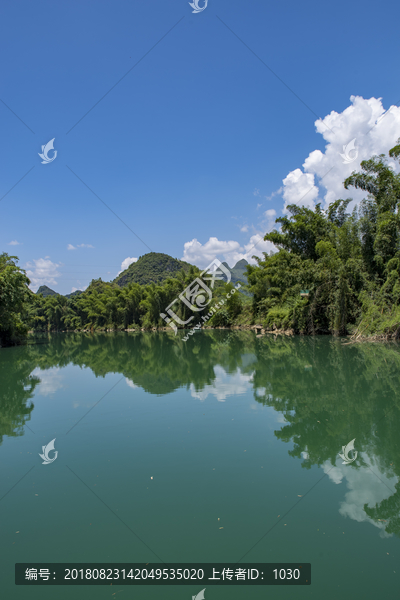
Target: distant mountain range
46,291
238,272
154,267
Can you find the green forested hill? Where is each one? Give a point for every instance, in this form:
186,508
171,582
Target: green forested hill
153,267
46,291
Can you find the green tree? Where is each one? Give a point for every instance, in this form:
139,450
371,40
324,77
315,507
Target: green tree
13,294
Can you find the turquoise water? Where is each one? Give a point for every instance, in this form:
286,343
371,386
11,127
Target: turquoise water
222,449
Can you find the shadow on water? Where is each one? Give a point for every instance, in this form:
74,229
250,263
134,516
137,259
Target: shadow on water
327,392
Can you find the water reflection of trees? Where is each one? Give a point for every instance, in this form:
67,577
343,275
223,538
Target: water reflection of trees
328,392
158,362
17,387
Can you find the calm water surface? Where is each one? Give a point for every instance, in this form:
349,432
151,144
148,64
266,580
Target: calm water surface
223,449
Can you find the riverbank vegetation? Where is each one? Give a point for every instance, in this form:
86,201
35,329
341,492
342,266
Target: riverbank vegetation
334,272
347,263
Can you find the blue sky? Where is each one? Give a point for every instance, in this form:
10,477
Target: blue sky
195,141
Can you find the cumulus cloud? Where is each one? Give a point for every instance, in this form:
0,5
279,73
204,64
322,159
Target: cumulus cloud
126,262
299,188
322,174
42,272
71,247
202,255
14,243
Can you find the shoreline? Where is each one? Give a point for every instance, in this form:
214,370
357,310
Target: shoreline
259,330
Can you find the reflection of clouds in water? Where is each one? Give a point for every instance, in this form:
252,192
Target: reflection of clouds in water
364,488
50,380
224,385
130,383
261,391
280,418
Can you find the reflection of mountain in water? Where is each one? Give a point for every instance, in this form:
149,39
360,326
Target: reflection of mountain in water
325,393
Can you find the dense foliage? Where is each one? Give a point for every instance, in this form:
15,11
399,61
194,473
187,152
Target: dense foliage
13,295
348,263
107,306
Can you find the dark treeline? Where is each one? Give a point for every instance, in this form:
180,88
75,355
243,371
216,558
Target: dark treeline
349,263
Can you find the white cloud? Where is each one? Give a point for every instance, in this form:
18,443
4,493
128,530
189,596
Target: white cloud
126,262
14,243
71,247
256,192
256,247
324,172
244,229
42,272
202,255
299,188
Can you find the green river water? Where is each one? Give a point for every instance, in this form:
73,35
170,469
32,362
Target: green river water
223,449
